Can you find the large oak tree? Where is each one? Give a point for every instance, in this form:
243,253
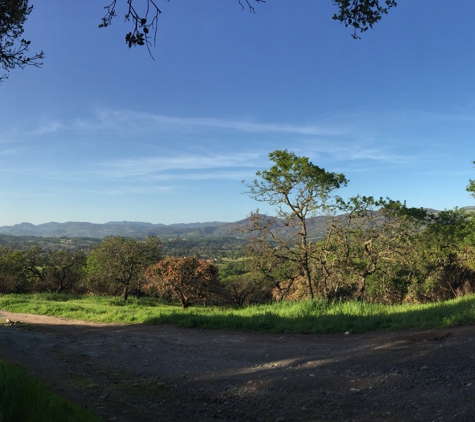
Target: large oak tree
297,190
120,262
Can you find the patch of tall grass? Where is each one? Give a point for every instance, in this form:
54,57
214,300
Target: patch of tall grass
25,399
291,317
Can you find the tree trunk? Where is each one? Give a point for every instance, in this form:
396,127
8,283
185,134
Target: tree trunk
125,293
361,288
307,275
304,250
309,285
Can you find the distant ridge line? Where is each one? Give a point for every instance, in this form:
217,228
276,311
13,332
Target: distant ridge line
121,228
138,229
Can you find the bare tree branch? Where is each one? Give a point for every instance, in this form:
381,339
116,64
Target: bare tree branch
144,24
251,8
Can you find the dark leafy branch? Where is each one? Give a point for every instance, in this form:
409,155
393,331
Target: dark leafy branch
143,15
145,24
471,186
361,14
13,47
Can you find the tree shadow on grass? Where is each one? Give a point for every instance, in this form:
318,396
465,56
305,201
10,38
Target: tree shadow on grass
440,315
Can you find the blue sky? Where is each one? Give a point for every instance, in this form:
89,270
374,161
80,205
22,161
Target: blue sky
104,133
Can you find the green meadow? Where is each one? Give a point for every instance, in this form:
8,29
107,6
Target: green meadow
290,317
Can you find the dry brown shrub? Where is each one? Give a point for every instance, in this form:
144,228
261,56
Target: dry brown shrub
188,280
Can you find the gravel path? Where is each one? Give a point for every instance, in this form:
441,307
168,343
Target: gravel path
164,373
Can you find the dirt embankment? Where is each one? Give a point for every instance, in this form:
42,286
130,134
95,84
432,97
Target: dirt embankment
164,373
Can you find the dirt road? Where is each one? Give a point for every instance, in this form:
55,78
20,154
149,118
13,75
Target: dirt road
164,373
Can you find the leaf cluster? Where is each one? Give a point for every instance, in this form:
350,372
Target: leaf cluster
471,186
296,184
361,14
13,47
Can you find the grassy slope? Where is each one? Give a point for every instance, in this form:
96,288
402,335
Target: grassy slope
292,317
25,399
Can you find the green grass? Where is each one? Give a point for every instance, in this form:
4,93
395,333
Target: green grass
291,317
25,399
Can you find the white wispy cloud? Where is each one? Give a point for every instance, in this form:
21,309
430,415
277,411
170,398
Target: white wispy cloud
360,125
147,170
361,151
38,172
15,193
47,126
455,172
348,137
121,118
158,166
11,151
134,190
374,154
214,175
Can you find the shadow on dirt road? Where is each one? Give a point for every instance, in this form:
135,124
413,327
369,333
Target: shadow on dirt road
164,373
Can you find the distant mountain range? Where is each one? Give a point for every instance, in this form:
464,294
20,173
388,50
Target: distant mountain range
142,230
316,229
125,228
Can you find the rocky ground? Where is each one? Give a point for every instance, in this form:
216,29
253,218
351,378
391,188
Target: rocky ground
164,373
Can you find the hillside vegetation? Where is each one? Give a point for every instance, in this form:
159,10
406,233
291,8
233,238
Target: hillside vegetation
318,247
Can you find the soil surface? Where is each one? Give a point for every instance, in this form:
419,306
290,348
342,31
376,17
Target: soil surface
146,373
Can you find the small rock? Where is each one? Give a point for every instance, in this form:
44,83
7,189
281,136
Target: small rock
424,368
346,333
355,390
